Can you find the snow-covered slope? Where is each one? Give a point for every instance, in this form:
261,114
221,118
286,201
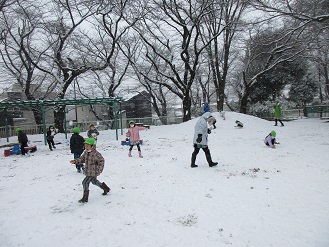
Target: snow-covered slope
256,196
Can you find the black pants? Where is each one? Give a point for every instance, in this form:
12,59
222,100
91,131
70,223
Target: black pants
138,147
205,150
23,145
51,144
197,149
273,142
276,122
88,180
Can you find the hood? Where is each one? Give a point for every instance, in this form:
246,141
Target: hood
206,115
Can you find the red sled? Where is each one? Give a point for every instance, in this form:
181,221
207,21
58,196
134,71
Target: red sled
32,149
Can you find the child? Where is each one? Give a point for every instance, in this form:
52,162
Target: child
200,139
50,137
206,107
92,132
277,114
239,124
270,139
77,147
22,139
94,166
133,134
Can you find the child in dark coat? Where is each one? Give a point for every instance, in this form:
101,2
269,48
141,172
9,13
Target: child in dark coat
50,137
94,165
92,132
77,147
239,124
22,139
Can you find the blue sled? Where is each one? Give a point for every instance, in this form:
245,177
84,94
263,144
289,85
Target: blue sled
127,142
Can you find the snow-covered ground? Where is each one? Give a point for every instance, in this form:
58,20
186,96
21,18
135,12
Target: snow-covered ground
256,196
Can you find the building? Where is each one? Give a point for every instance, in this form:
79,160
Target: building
138,106
21,116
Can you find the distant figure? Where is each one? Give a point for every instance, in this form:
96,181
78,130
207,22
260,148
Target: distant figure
222,114
92,132
22,139
50,137
270,139
239,124
206,107
277,114
133,134
200,139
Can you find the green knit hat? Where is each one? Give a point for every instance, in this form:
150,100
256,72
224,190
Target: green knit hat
131,121
90,141
76,130
273,133
18,129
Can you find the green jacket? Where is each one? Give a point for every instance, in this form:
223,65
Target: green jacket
277,110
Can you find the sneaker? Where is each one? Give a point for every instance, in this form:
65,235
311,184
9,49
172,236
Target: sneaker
193,166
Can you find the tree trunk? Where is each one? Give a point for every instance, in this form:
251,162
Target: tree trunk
244,103
186,107
245,95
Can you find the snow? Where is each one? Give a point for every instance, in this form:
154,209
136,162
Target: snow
256,196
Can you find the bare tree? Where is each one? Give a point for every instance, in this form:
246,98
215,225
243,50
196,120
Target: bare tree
6,3
306,11
222,24
171,34
264,51
18,50
76,48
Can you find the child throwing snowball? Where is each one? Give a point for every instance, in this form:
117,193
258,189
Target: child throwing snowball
94,165
133,134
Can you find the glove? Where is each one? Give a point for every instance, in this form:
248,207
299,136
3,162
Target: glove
209,131
199,139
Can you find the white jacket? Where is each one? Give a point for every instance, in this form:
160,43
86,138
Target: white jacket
201,127
268,140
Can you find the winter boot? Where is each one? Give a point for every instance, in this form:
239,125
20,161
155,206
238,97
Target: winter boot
105,188
210,162
129,154
140,154
193,165
85,196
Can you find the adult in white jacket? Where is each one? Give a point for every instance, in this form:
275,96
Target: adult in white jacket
200,140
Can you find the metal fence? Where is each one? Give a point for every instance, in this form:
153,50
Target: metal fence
101,125
317,111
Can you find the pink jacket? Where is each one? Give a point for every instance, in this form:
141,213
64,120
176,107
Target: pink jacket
133,133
